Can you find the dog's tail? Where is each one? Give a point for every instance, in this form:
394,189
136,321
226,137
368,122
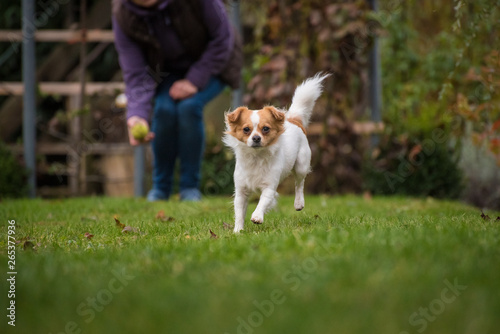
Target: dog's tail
305,97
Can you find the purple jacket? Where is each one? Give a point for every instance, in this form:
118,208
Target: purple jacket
140,86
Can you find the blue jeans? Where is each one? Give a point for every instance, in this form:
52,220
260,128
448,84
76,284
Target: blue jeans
179,133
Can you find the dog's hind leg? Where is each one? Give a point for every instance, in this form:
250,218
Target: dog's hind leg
301,169
299,202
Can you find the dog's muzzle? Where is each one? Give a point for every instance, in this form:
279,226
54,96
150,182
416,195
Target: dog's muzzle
256,141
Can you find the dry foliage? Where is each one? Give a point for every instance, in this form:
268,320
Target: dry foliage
296,40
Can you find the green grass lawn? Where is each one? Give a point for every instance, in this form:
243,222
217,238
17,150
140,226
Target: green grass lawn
343,265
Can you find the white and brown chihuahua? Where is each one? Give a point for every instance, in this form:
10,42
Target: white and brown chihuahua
269,144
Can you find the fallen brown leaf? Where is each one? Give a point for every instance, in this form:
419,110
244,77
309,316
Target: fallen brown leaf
127,229
227,226
160,215
118,224
213,235
28,245
485,217
88,235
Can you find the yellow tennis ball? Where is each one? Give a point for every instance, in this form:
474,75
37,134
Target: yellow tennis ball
139,131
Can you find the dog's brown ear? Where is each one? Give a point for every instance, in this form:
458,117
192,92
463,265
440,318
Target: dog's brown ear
278,115
234,115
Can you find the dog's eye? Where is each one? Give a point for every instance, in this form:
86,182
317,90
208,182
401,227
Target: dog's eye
246,130
265,129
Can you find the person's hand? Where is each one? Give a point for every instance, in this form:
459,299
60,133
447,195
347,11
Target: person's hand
182,89
138,120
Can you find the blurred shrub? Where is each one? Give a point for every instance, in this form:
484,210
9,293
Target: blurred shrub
417,154
438,71
12,176
217,169
416,167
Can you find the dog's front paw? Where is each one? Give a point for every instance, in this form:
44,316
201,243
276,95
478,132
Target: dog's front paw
238,226
257,218
299,204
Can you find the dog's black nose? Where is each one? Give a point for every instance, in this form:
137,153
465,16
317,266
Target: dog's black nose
256,139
